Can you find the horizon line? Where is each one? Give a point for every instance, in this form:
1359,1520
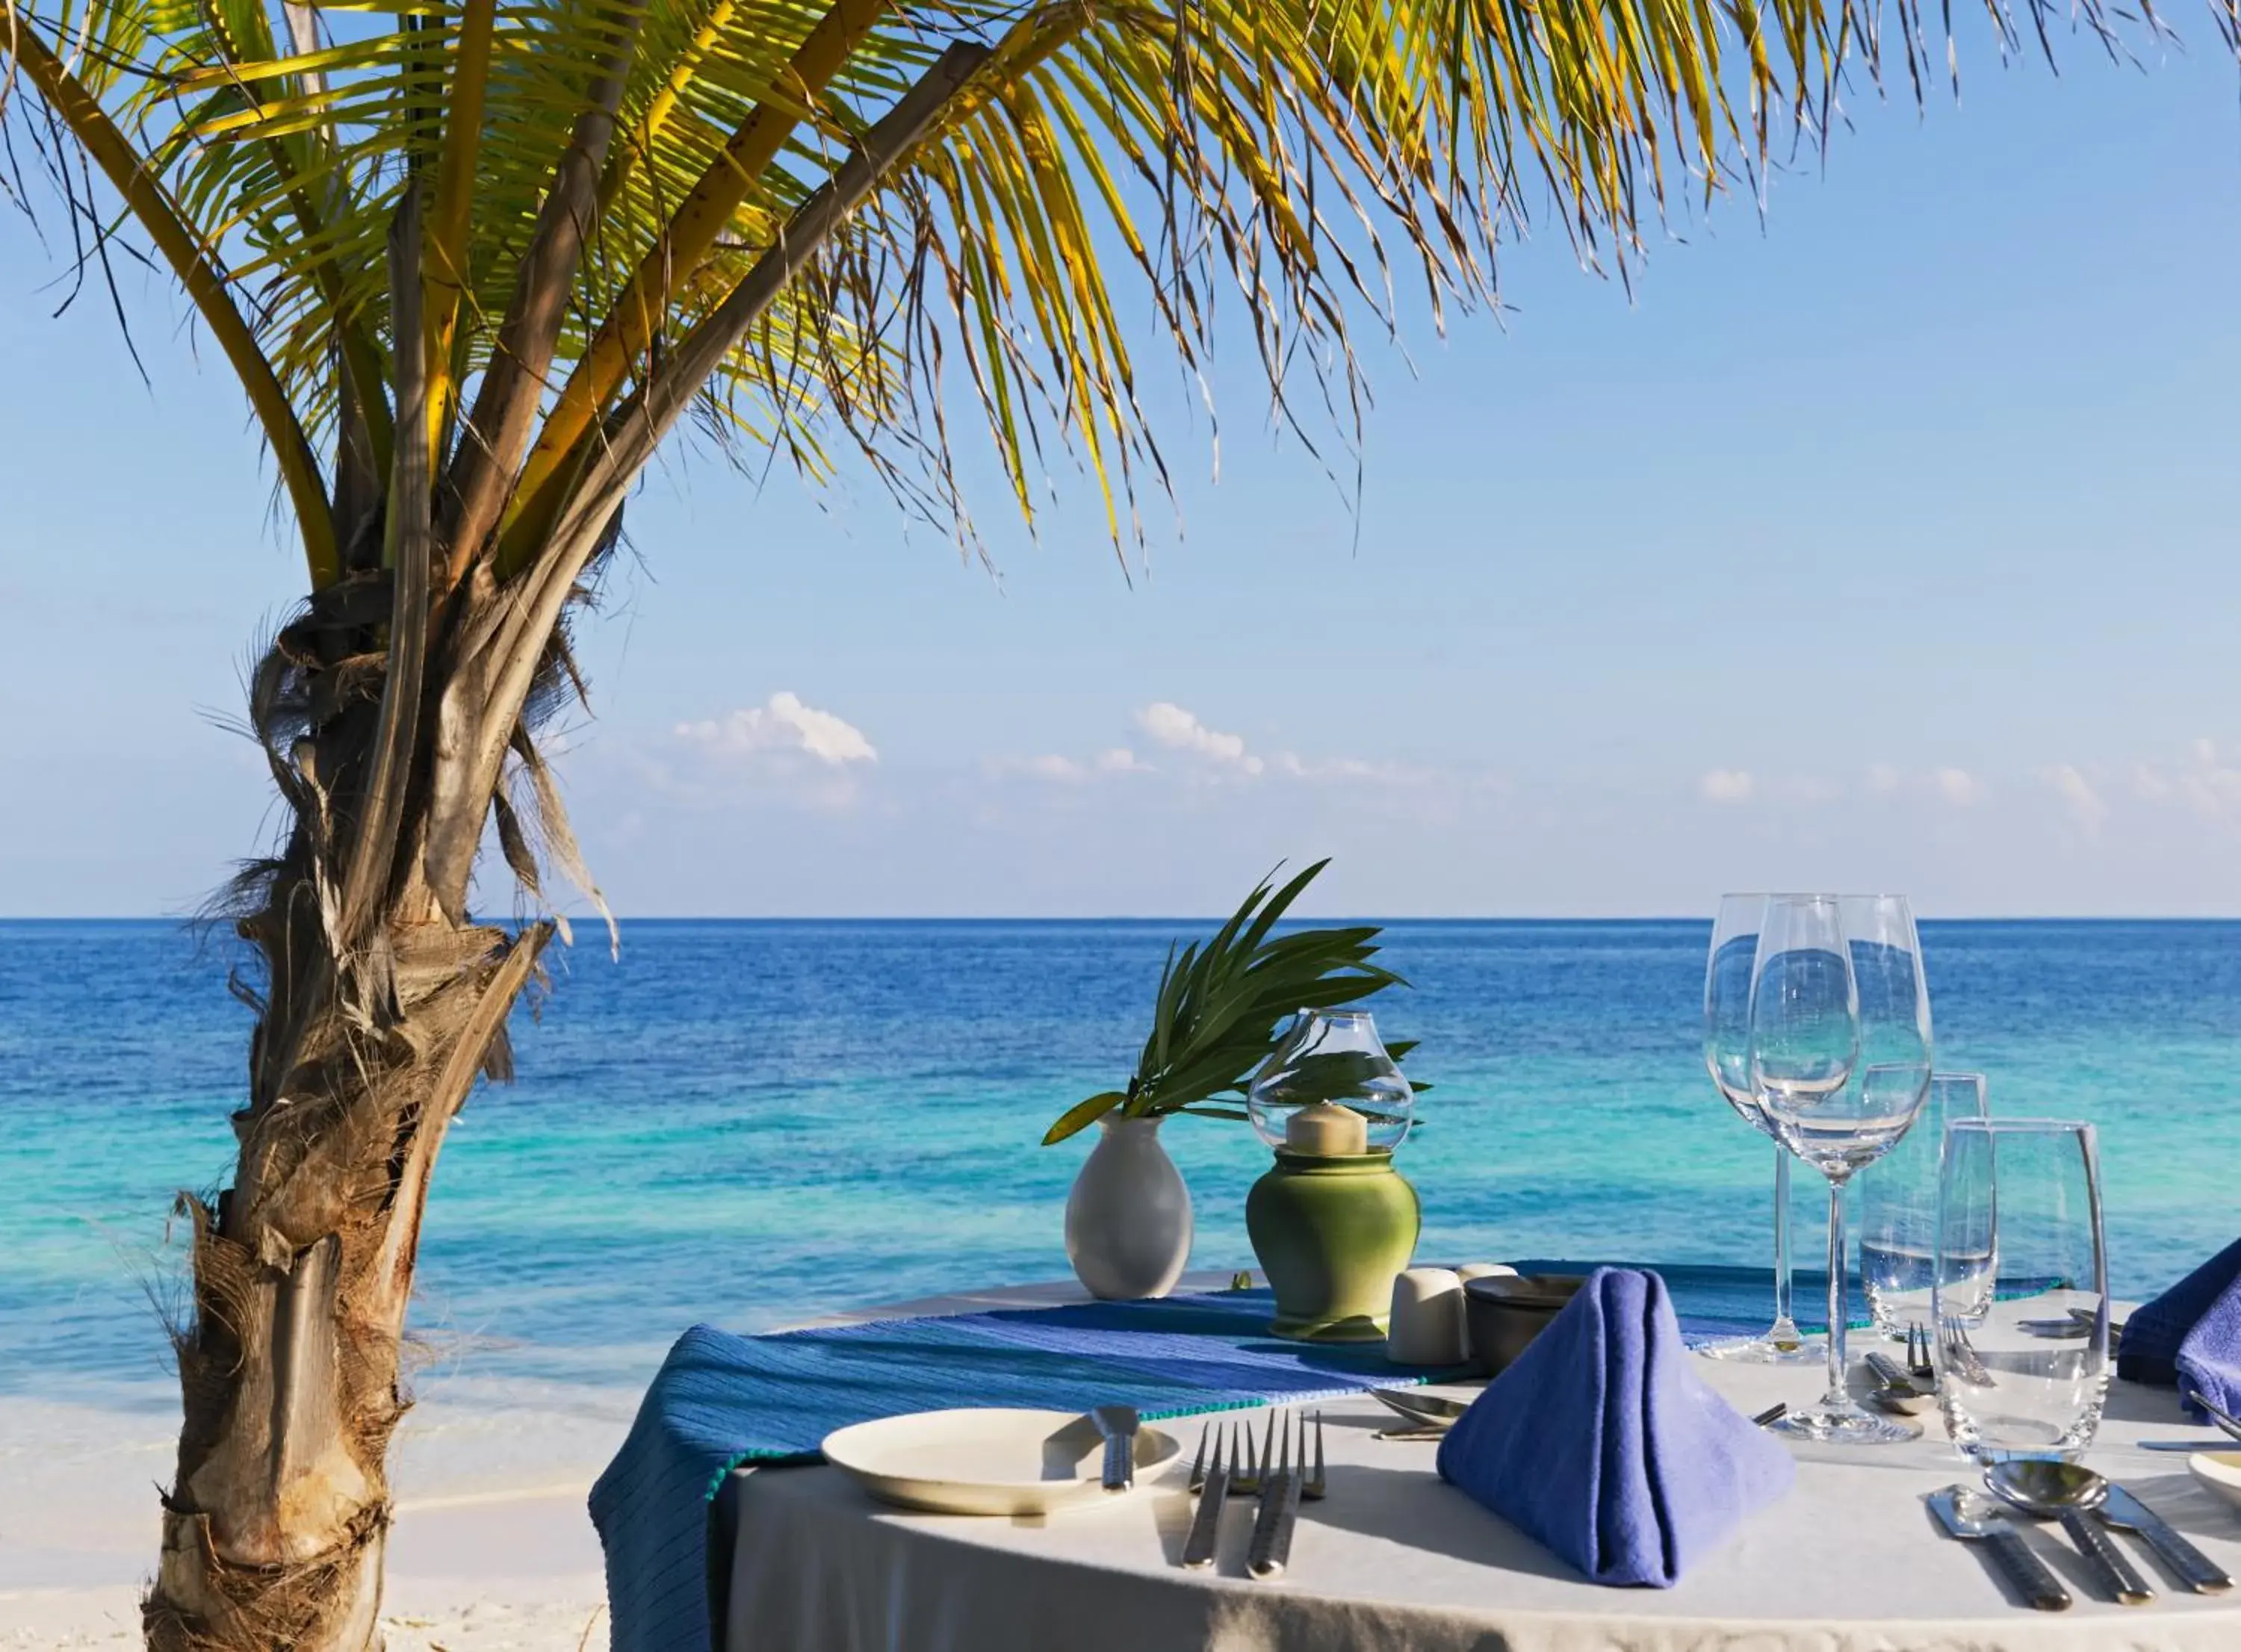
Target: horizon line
184,920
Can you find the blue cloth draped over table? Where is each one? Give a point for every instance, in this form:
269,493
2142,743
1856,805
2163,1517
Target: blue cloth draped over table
2191,1333
721,1401
1601,1442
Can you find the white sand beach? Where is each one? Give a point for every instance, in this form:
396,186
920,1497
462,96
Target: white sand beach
493,1550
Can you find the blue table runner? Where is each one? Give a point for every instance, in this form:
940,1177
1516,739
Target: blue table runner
722,1400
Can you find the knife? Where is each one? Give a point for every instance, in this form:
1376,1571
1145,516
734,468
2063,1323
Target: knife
2188,1564
1892,1375
1272,1527
1118,1424
1206,1524
2117,1573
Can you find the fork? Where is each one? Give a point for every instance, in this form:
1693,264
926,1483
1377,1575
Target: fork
1252,1463
1314,1486
1283,1486
1198,1463
1918,1363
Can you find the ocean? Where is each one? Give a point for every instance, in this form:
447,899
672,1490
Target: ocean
750,1123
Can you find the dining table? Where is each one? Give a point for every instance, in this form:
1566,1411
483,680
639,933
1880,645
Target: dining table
802,1557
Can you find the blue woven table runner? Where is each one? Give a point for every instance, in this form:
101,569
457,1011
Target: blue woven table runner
721,1400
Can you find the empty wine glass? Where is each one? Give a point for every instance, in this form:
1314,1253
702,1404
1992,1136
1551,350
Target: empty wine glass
1829,1108
2021,1298
1726,1055
1898,1208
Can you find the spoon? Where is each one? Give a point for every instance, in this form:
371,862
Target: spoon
2068,1492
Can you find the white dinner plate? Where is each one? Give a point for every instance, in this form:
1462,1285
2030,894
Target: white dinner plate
988,1461
2219,1470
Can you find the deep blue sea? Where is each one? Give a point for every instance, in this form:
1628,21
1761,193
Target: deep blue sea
751,1122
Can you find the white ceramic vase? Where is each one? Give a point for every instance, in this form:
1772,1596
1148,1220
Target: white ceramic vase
1128,1218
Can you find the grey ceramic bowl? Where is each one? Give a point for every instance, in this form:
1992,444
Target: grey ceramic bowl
1505,1311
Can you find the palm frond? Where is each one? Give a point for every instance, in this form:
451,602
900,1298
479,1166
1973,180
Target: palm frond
636,210
1221,1003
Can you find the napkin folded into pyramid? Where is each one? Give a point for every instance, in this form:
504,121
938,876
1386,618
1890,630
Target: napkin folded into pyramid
2191,1333
1602,1441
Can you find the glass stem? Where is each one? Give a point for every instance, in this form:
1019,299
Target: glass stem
1784,1334
1839,1397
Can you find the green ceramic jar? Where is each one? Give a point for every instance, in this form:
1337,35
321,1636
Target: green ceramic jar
1332,1234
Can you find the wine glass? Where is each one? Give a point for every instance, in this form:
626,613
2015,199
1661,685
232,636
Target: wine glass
1829,1108
1726,1055
2021,1298
1898,1208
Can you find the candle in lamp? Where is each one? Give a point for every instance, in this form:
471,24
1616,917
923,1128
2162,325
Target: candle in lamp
1327,1130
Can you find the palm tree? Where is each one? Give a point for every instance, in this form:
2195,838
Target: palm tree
472,261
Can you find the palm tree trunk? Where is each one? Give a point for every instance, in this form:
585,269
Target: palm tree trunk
388,712
289,1369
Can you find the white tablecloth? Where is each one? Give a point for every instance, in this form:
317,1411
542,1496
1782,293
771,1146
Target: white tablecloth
1394,1558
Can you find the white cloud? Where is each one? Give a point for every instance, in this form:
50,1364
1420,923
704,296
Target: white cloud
1803,788
2077,796
783,723
1070,771
1883,779
1171,725
2205,783
2210,788
1960,788
1725,785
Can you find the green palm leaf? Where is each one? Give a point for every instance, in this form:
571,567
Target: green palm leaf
1221,1003
1308,156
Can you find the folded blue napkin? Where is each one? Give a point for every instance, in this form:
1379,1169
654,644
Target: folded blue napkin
2191,1333
1602,1442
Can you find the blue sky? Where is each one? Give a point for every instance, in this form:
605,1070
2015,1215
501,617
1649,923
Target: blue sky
1889,541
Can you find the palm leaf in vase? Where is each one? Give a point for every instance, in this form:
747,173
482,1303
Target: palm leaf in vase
1223,1003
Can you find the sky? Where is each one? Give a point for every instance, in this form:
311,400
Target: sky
1885,540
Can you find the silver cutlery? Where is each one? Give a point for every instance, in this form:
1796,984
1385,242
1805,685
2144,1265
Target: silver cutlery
1206,1523
1897,1389
1247,1471
1417,1407
2066,1492
1118,1424
1281,1491
1896,1375
1314,1487
1974,1518
1198,1463
2226,1422
2077,1322
1919,1366
2190,1565
2215,1443
1773,1414
1961,1360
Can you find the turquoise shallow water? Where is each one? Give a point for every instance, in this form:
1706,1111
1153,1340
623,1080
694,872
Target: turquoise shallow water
750,1122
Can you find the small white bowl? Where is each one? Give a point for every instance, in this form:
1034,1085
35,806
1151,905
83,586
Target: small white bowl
2219,1470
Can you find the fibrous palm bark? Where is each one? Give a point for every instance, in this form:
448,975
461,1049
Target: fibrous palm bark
395,723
